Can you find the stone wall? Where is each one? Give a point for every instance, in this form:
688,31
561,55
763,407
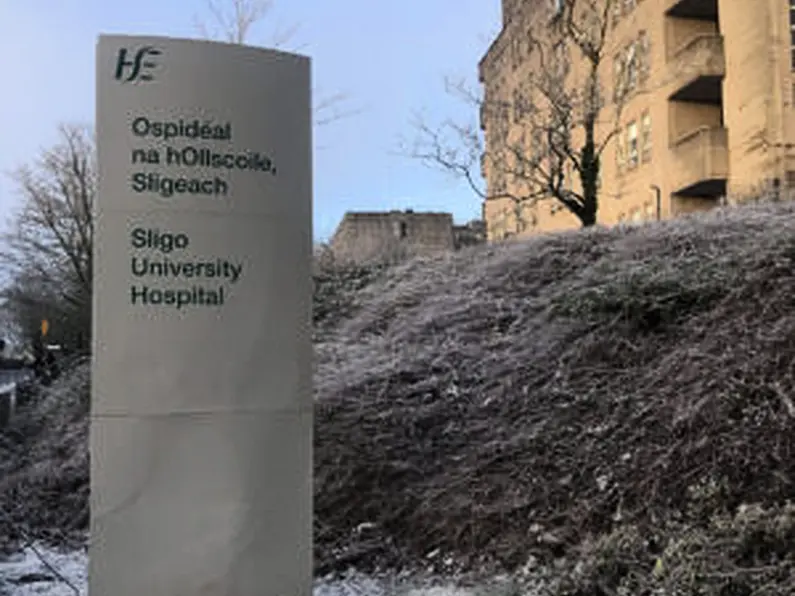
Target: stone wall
385,236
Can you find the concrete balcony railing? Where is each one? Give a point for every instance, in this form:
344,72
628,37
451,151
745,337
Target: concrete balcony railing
696,70
700,163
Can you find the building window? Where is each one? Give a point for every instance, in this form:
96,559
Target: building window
499,225
523,98
516,55
560,59
401,230
632,144
645,132
536,139
616,12
618,78
644,57
631,67
792,29
517,105
621,152
500,185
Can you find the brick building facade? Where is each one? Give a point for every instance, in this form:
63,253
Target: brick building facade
710,113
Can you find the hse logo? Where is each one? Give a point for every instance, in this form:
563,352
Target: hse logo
138,66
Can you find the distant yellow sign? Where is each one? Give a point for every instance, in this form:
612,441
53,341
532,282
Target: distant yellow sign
45,327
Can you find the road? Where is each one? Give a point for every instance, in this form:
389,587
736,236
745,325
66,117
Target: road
14,376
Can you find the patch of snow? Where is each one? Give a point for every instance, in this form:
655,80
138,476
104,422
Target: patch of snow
25,574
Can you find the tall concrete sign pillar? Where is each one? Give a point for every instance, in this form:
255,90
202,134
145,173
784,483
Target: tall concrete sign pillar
201,428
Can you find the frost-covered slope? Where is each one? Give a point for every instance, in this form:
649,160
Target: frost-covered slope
619,398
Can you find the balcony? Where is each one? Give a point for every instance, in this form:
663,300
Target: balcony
697,69
702,10
700,163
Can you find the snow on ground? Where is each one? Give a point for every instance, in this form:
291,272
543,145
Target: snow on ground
26,574
32,574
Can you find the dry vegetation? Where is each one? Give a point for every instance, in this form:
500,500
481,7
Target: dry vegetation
44,464
610,408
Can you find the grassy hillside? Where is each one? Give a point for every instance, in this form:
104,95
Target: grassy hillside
614,408
44,464
607,389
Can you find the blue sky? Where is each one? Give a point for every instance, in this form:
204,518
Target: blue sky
390,58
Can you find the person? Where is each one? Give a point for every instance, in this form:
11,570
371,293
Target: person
51,365
38,357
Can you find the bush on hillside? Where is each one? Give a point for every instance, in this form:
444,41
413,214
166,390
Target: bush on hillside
334,291
44,462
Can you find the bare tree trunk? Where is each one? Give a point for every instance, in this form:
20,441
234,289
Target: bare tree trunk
589,177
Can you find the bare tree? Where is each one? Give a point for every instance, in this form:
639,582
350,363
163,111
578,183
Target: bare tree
233,21
10,330
235,18
48,250
545,139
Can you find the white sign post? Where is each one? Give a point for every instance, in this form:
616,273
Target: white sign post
201,428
